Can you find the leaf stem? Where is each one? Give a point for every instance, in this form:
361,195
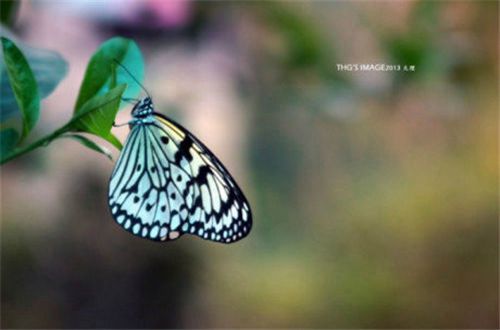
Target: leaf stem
43,142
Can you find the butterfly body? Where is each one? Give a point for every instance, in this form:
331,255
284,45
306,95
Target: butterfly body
167,183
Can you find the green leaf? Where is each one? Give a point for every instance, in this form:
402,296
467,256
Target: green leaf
23,84
8,140
99,74
48,67
90,144
97,115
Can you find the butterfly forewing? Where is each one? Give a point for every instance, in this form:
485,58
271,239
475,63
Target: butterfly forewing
167,183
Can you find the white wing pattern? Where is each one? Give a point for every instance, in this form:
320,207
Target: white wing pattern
167,183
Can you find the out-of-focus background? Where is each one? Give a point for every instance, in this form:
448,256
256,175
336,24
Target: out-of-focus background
374,193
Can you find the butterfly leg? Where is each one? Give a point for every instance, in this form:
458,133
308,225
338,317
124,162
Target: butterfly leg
130,100
119,125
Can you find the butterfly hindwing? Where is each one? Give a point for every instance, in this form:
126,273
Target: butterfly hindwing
167,183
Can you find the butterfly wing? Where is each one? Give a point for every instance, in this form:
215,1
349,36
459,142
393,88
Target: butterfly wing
167,183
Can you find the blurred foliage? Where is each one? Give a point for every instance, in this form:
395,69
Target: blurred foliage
8,140
305,46
8,11
48,67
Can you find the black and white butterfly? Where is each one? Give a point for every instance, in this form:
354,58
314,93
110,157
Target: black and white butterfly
167,183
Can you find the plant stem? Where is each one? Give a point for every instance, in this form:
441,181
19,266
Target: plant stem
40,143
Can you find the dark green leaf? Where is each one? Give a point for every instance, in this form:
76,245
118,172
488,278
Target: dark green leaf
90,144
114,76
96,116
8,140
99,73
48,67
23,84
8,11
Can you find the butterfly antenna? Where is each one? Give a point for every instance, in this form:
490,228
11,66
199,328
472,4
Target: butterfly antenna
131,75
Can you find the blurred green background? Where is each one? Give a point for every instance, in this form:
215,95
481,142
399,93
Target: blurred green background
374,193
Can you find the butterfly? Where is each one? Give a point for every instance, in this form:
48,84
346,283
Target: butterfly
167,183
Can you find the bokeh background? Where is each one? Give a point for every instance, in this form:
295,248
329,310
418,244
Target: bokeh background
374,194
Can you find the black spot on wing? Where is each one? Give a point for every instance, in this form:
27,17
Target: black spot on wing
183,151
203,172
